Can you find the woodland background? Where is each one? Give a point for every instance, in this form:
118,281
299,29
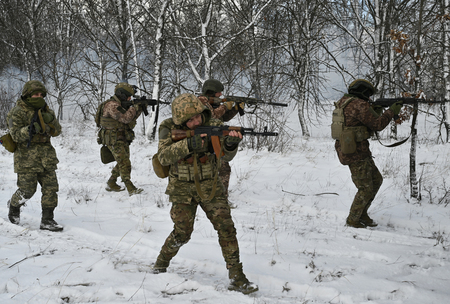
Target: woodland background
300,52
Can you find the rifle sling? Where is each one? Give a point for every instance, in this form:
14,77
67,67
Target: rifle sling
217,147
394,144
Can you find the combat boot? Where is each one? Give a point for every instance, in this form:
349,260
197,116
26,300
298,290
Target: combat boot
132,189
366,220
47,221
355,224
239,282
112,186
160,266
14,213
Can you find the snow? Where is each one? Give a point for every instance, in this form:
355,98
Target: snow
290,215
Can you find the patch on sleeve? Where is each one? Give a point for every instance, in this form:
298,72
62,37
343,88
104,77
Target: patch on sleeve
164,133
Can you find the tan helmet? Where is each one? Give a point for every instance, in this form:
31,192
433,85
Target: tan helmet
212,85
32,87
187,105
123,88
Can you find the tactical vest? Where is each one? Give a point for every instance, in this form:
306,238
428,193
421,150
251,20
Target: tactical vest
348,136
112,130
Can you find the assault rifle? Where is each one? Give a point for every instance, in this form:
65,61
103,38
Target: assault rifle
216,101
214,132
37,117
143,102
387,102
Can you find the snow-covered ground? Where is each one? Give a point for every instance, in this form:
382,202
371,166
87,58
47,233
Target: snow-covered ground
290,215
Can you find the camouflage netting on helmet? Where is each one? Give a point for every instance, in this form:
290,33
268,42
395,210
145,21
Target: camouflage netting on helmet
32,87
212,85
185,106
361,88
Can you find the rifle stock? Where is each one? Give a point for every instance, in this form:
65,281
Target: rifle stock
387,102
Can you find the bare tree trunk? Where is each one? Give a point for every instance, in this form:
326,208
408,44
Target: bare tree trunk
153,123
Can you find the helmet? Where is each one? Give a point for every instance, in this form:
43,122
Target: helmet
124,89
32,87
212,85
187,105
361,88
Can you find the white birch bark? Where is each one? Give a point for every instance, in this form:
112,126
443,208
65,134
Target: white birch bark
159,40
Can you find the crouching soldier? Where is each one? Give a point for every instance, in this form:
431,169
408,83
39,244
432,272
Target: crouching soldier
31,124
193,182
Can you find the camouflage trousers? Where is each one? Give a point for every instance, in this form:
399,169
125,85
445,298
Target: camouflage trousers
121,152
224,173
27,184
367,178
183,217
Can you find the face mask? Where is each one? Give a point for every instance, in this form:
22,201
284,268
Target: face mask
36,102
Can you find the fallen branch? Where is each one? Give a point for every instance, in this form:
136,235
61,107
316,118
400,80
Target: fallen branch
317,194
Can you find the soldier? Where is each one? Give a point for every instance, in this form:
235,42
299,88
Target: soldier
31,124
186,193
224,112
352,147
117,133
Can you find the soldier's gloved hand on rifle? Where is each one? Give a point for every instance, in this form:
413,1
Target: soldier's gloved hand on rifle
37,127
232,141
47,117
195,143
396,107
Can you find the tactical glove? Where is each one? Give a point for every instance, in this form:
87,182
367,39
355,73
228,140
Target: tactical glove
37,127
47,117
396,107
195,143
232,141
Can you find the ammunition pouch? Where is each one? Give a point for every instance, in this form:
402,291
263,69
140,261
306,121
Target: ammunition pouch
7,142
105,155
160,170
350,136
40,138
109,137
184,168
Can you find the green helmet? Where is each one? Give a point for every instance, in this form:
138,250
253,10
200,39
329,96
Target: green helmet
32,87
361,88
212,85
124,89
187,105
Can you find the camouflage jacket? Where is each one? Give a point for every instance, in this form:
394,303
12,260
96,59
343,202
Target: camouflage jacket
359,113
174,154
128,117
221,112
40,155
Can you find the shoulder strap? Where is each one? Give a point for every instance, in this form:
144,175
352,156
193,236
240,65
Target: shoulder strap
345,103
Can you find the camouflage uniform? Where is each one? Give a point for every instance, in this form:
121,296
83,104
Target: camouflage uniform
182,190
365,174
35,160
117,133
